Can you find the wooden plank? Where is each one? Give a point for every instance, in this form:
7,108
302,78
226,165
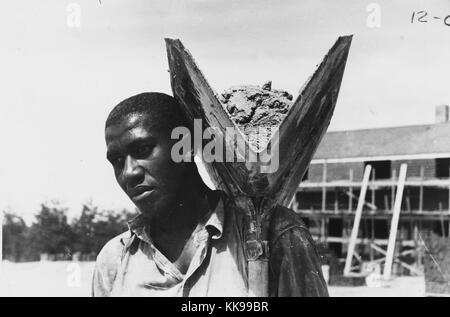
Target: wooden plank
372,236
425,215
393,184
396,260
438,183
370,205
199,101
355,229
324,202
350,190
324,189
394,222
372,188
416,245
307,121
406,157
322,229
408,243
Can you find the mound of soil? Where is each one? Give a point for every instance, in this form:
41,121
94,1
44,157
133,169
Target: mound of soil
256,110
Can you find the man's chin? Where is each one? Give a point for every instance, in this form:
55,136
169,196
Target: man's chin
145,207
152,206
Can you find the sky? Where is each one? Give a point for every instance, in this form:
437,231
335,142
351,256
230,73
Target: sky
58,83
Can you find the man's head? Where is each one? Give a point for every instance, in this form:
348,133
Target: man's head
138,141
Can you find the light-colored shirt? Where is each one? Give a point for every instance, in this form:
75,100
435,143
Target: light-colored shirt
130,264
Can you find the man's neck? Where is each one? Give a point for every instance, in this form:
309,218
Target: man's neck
171,231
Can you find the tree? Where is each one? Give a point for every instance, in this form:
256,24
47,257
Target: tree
14,237
51,232
107,225
94,228
84,230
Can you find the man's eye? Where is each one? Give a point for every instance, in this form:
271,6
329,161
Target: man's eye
144,151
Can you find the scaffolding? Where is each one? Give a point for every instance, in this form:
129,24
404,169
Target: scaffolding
377,206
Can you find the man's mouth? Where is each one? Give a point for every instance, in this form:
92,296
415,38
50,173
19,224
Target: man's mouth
141,192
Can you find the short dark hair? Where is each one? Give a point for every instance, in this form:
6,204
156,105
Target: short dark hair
163,110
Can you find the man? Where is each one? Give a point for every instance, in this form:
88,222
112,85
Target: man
188,240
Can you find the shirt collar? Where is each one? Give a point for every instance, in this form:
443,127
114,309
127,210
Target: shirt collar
136,223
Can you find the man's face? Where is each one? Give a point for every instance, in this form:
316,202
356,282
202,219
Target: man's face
142,163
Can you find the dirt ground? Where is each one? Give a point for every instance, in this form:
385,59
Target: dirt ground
73,279
397,287
48,279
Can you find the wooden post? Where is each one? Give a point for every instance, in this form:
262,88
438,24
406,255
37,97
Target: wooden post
324,189
411,228
324,202
371,219
373,187
416,245
394,176
359,208
386,203
322,228
441,218
336,201
350,197
394,222
422,173
372,234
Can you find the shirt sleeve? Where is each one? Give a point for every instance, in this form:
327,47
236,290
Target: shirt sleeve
101,282
295,268
106,266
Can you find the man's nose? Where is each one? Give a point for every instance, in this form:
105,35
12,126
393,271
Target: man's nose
132,171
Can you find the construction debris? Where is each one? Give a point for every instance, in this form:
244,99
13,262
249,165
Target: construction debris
436,265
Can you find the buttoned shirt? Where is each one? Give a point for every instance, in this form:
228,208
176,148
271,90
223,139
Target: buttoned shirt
130,264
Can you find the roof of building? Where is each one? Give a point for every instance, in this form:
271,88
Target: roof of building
407,140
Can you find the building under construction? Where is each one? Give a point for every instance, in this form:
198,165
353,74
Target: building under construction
327,198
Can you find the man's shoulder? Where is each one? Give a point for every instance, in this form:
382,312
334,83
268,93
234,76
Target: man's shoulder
113,249
283,218
285,222
107,264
